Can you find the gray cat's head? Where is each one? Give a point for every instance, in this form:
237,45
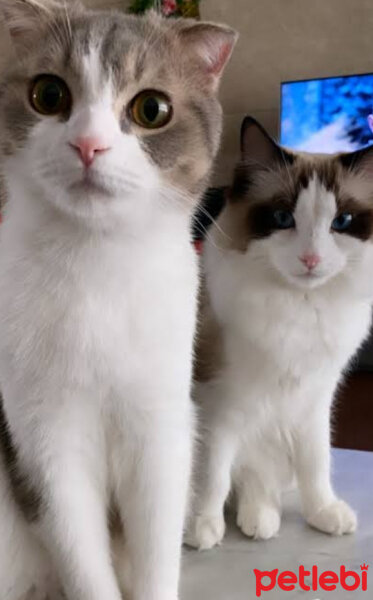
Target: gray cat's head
99,106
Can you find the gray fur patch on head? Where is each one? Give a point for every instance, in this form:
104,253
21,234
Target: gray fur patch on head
18,126
136,54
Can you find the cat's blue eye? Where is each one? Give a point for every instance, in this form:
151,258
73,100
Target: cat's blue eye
342,222
283,219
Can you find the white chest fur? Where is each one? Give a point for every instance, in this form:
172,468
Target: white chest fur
289,332
95,367
91,307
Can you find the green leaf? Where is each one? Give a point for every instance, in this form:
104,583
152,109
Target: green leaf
140,6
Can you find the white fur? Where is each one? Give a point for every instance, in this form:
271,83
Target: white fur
287,338
97,313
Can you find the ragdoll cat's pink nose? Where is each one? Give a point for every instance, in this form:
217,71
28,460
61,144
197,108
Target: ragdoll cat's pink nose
310,260
88,148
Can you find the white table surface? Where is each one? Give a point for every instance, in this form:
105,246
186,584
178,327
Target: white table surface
226,573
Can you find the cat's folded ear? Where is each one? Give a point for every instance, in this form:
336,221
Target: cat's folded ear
258,148
209,44
25,18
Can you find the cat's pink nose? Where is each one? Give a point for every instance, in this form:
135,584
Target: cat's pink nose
310,260
88,148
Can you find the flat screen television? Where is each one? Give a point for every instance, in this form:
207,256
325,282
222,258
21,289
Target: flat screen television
333,114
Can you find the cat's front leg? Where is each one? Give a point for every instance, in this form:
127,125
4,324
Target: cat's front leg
153,500
207,523
258,501
322,509
61,452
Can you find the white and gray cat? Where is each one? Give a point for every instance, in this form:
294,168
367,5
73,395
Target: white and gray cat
108,125
287,303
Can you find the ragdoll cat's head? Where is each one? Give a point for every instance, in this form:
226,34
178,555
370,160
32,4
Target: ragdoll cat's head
308,218
99,106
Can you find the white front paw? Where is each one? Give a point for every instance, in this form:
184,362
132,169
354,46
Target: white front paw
260,523
336,518
206,532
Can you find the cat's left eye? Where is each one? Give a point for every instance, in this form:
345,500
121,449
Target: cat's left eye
283,219
342,222
50,95
151,109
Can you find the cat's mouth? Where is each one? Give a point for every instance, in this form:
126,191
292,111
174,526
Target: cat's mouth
310,278
310,275
91,184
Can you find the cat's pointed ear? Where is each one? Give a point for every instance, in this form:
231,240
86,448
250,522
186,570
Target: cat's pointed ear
360,160
211,45
24,18
257,146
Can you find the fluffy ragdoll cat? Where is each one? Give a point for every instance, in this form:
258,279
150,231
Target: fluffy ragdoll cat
288,295
108,125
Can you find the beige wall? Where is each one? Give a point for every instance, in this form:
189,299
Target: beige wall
280,39
284,40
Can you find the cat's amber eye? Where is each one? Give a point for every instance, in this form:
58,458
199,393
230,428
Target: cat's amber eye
49,95
151,109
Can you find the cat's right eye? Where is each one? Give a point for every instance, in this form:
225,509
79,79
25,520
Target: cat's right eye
342,222
151,109
50,95
283,219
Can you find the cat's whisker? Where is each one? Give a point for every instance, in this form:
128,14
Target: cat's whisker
200,208
285,162
57,32
208,237
215,223
168,202
68,21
